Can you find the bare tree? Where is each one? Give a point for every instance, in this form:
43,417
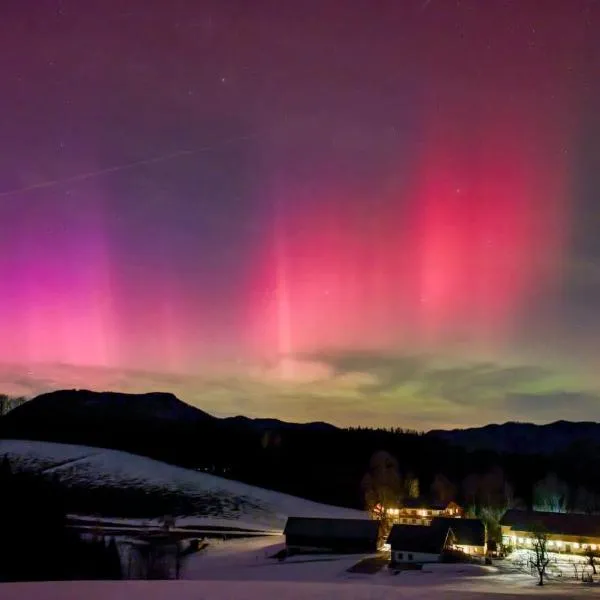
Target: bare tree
495,491
577,565
586,501
592,555
488,497
551,494
382,489
8,403
411,486
539,554
443,490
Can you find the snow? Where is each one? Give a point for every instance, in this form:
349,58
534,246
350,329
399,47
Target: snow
224,501
299,590
243,569
561,565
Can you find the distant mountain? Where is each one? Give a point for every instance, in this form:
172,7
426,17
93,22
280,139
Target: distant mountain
276,424
523,438
88,405
311,460
83,408
158,425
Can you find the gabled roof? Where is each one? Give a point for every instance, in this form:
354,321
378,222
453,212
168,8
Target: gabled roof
468,532
313,527
555,523
418,538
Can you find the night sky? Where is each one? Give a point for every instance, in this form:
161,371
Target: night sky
370,212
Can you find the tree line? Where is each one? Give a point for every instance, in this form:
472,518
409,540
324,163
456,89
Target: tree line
487,495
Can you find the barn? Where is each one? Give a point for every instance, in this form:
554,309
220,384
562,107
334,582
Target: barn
470,534
418,543
342,536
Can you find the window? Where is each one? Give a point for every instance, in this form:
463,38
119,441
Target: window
414,521
410,557
400,555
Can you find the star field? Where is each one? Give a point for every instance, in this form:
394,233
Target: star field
365,213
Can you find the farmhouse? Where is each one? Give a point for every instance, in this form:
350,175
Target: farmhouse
470,535
567,532
419,543
344,536
420,511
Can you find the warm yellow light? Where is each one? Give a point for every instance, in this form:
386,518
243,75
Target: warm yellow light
593,547
423,513
575,545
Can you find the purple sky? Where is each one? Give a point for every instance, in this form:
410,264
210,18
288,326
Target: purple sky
375,213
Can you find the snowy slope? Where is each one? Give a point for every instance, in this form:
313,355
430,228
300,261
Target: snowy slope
221,498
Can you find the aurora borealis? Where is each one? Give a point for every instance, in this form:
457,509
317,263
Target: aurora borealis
378,213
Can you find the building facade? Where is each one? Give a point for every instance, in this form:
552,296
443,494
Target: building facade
419,544
343,536
420,511
470,535
566,532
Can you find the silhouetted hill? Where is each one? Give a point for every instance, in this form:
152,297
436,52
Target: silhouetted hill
88,405
161,426
523,438
276,424
312,460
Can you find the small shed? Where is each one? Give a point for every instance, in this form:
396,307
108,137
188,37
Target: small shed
418,543
470,535
343,536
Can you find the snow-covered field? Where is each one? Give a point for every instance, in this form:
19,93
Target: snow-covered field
219,500
562,565
242,590
242,570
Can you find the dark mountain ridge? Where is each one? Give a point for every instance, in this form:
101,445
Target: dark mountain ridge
85,404
312,460
523,438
